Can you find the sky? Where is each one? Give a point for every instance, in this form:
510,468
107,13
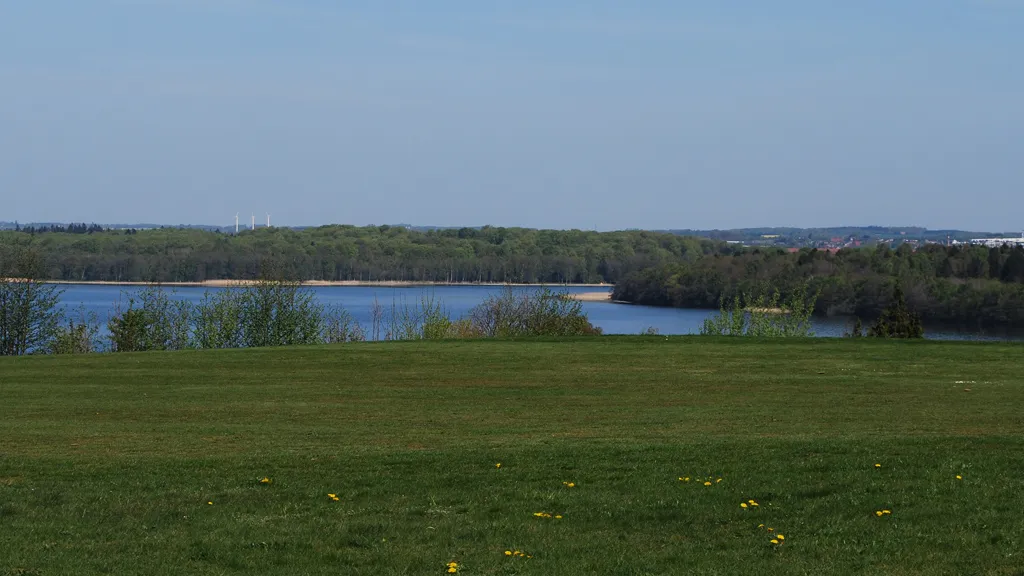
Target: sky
583,114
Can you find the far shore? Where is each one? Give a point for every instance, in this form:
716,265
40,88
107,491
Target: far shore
327,284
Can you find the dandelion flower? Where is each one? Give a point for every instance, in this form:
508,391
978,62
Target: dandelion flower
452,569
498,465
571,484
687,479
774,541
770,529
558,517
335,499
878,465
707,483
886,511
760,525
878,513
780,536
332,495
210,503
958,477
508,552
265,480
717,481
743,504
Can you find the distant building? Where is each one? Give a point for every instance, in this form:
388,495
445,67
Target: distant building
997,242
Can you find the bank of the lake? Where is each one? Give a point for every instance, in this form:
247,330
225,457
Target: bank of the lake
458,300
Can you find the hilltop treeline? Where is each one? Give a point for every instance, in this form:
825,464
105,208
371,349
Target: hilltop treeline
375,253
967,287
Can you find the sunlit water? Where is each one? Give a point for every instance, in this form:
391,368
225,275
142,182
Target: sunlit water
458,301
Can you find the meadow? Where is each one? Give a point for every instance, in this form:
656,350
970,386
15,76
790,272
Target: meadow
599,455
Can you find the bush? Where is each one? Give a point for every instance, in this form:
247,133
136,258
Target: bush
30,312
77,336
763,316
897,321
151,321
545,313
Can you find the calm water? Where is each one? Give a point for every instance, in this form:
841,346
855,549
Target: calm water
458,300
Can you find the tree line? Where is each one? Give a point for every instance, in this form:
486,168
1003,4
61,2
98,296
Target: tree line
966,287
372,253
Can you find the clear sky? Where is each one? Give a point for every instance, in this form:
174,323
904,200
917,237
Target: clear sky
565,114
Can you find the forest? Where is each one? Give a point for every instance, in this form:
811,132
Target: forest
966,287
373,253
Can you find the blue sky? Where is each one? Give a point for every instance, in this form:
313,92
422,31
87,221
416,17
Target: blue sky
569,114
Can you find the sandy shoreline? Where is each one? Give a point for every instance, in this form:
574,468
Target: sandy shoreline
330,284
592,296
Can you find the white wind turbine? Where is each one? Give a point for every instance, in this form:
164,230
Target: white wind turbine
236,222
268,219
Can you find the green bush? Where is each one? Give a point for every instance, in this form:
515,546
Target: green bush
545,313
763,316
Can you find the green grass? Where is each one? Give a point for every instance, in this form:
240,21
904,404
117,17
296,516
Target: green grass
107,462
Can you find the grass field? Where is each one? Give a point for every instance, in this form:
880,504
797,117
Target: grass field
152,463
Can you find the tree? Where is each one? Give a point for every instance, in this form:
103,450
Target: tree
30,312
897,321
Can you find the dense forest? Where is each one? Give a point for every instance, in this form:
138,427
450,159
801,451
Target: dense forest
969,287
376,253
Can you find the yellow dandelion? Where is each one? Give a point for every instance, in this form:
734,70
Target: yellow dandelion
780,536
760,525
335,499
571,484
717,481
453,565
886,511
452,569
558,517
958,477
265,480
498,465
878,513
707,483
687,479
770,529
210,503
774,541
878,465
754,504
508,552
743,504
332,495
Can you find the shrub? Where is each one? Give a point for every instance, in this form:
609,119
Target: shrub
545,313
764,316
897,321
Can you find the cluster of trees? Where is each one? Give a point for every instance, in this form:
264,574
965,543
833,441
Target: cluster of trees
970,287
59,229
375,253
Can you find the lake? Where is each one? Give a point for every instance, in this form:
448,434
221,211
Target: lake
458,301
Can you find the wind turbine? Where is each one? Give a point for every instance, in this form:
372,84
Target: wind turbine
268,219
236,222
254,221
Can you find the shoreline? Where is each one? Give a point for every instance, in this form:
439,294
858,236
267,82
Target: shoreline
320,284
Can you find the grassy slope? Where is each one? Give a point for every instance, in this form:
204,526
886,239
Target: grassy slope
107,462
